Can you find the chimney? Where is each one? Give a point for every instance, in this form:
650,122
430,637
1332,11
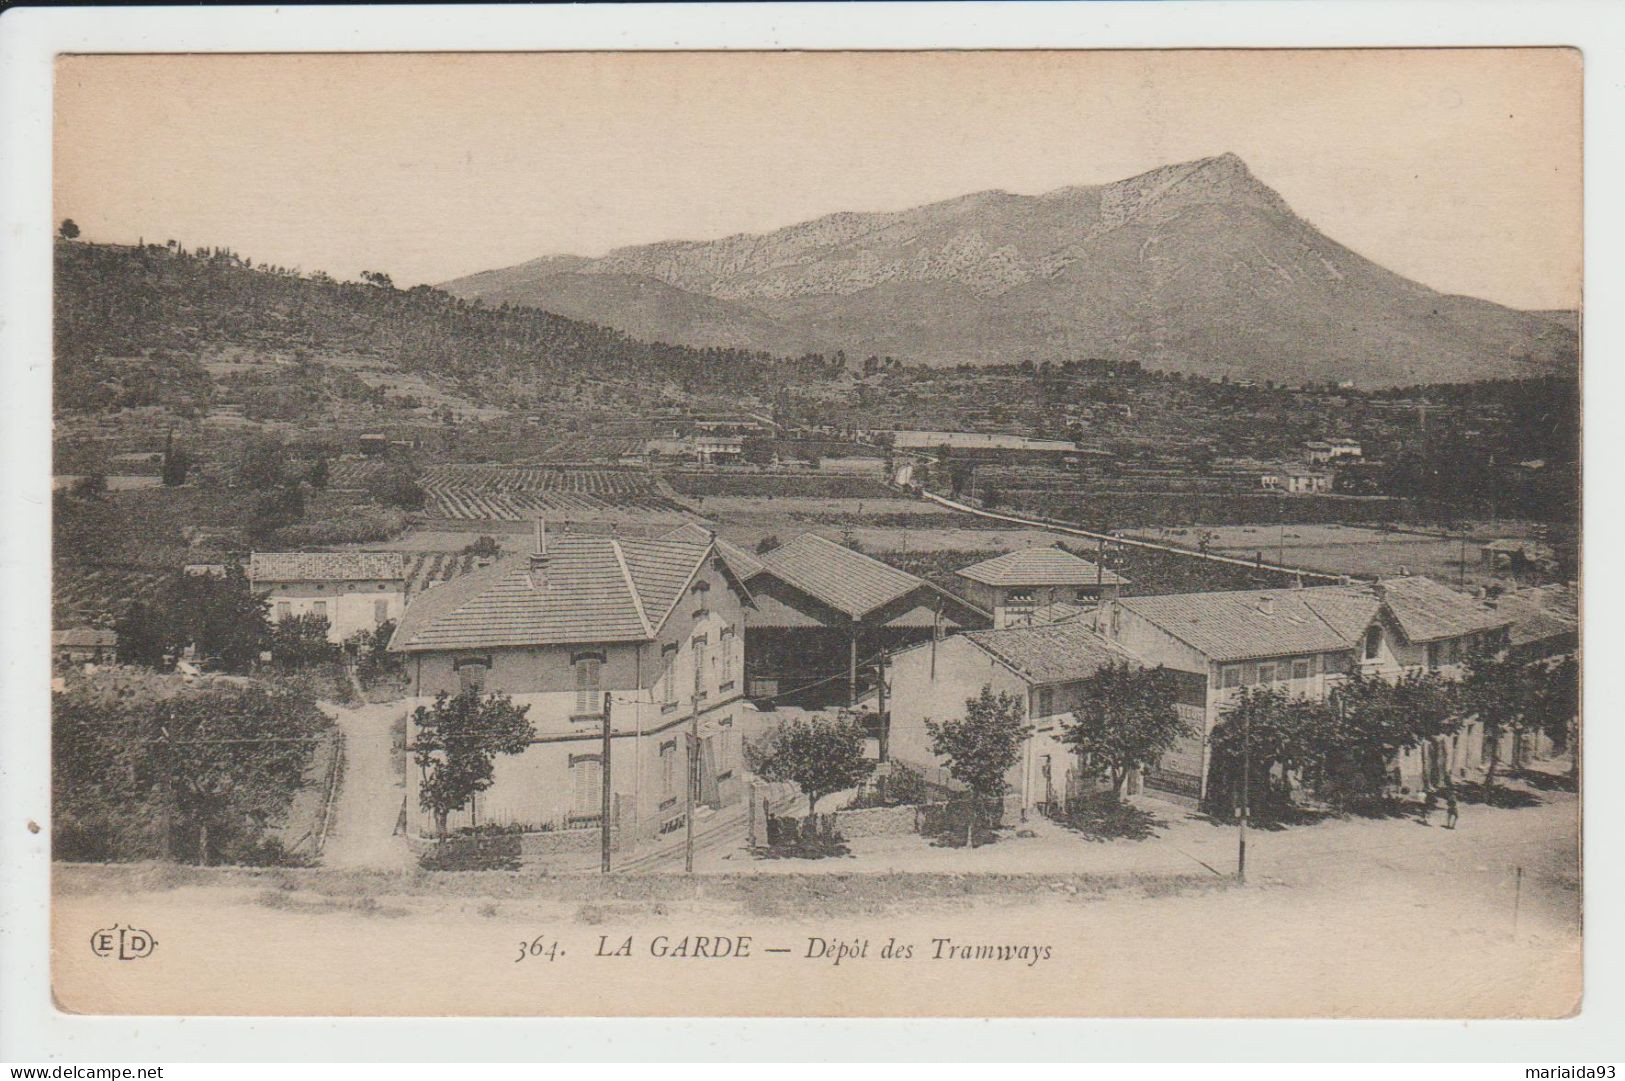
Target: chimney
1297,581
1266,604
539,557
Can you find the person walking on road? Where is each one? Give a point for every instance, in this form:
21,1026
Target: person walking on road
1429,802
1451,813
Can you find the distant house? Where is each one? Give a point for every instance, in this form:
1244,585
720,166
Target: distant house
1042,666
823,612
1302,640
84,645
1500,555
650,629
1297,480
353,591
1041,584
1545,621
1329,451
989,446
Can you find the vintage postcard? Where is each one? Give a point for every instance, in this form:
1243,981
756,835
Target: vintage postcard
1014,534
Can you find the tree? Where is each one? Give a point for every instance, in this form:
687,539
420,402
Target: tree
262,463
486,545
981,747
1125,721
90,486
1555,703
1496,689
69,229
298,641
273,510
177,464
396,486
819,755
146,765
768,543
457,741
223,617
140,637
1283,736
318,473
757,449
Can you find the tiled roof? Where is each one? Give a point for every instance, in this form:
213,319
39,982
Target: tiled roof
598,589
1426,610
1540,612
325,566
1243,624
742,563
1053,653
847,581
1040,566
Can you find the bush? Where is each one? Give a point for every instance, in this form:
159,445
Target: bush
479,852
812,838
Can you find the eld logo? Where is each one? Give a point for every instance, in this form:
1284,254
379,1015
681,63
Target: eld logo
124,943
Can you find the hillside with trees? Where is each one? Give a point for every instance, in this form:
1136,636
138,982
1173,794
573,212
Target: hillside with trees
132,322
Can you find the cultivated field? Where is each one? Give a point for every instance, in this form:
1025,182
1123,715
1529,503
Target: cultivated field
1353,550
82,596
515,493
780,485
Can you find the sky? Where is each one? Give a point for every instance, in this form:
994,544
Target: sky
1458,168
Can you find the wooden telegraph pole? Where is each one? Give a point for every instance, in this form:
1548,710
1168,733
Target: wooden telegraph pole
693,767
603,828
1241,812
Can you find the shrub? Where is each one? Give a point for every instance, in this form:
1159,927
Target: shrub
484,852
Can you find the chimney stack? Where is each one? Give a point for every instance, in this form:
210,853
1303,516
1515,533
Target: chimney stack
1266,604
538,557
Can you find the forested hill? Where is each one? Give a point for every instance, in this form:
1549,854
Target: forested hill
132,323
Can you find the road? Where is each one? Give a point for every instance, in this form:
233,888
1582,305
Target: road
369,802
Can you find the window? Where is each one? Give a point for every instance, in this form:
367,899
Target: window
1266,673
1373,642
727,650
668,693
587,782
318,608
701,646
1336,663
1302,668
1249,675
284,610
589,684
1046,701
1435,654
1230,676
668,770
380,611
471,675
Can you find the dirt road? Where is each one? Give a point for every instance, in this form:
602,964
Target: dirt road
369,801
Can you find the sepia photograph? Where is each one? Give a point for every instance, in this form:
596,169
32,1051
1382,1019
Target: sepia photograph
1023,533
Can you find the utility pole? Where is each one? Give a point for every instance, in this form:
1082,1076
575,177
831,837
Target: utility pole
883,738
1241,812
693,767
603,828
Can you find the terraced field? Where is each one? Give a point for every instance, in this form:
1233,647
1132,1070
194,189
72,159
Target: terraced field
515,493
83,595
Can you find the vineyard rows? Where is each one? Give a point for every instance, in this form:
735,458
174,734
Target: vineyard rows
516,493
431,568
100,591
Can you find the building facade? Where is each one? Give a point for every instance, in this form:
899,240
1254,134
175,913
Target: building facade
644,636
1036,585
353,591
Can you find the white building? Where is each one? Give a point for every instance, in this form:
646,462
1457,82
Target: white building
353,591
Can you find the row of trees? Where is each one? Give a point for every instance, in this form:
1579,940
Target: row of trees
1343,748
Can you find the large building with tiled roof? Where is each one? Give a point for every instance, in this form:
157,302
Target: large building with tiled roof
824,612
1303,641
1036,585
353,591
1044,666
649,630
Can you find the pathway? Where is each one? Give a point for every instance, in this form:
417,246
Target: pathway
370,794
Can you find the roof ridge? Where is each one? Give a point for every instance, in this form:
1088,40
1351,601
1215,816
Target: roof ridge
631,586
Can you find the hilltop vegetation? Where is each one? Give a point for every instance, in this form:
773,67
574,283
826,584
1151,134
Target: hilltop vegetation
132,324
